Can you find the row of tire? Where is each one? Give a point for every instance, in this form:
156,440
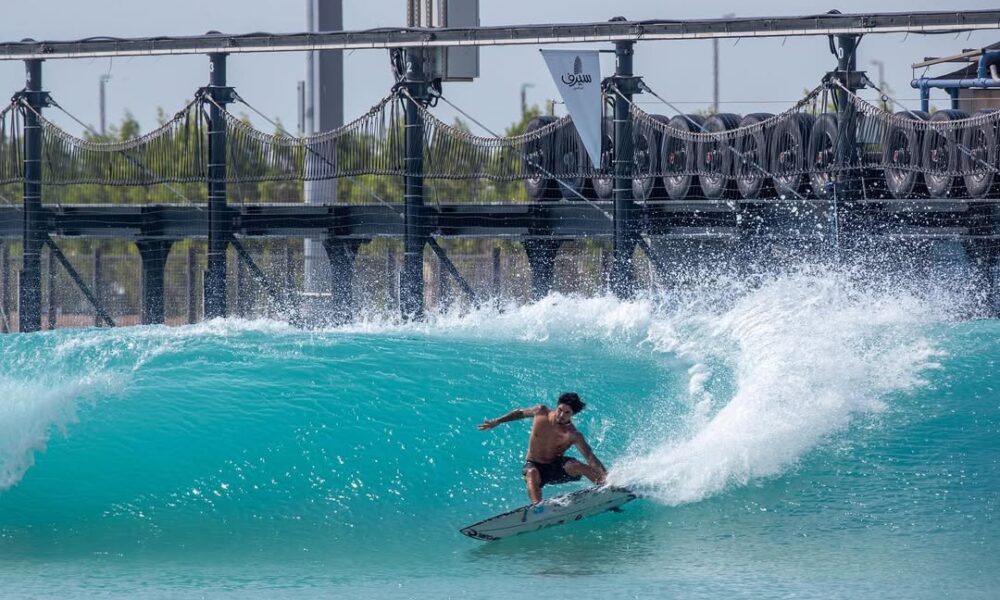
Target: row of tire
793,157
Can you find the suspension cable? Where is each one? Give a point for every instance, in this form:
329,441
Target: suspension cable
129,158
312,152
527,159
959,145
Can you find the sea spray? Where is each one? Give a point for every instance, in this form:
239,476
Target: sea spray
807,354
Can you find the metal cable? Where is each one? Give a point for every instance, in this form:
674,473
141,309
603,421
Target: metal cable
360,184
525,157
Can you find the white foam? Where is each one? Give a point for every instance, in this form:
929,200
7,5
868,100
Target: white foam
808,353
556,315
30,411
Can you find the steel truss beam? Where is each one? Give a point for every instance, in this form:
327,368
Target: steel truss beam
613,31
693,219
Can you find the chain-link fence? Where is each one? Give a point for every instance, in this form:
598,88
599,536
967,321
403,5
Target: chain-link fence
283,283
276,286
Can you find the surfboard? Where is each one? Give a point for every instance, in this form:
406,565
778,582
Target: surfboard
549,513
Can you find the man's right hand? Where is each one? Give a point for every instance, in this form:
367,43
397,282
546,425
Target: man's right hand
487,424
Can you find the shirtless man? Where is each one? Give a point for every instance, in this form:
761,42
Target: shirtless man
552,433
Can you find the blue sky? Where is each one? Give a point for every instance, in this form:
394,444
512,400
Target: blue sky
757,75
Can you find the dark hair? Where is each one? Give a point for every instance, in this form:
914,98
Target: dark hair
572,400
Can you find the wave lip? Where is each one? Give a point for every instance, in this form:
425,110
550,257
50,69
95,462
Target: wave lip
29,412
807,355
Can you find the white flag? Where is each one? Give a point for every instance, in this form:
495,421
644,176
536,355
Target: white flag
577,74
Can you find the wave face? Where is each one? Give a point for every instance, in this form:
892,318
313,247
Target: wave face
804,418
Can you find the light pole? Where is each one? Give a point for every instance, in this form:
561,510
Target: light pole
103,103
715,69
524,98
882,87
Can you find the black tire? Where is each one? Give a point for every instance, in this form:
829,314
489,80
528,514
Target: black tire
823,155
571,163
870,138
790,154
980,162
646,159
604,183
750,162
903,150
941,155
679,158
715,157
538,158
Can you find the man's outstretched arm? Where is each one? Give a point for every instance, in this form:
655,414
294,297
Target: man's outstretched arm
589,456
514,415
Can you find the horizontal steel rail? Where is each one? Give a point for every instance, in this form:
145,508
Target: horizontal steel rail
687,220
611,31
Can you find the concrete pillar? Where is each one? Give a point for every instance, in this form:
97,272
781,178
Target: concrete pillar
341,254
5,294
192,290
51,301
154,255
542,259
97,283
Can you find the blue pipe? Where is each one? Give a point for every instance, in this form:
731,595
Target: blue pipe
982,79
925,83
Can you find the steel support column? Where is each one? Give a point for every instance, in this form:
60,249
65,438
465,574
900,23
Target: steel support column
625,228
846,182
154,259
449,266
5,324
101,316
97,273
218,227
953,94
993,287
34,234
341,254
542,260
983,260
993,292
497,278
192,293
411,280
52,300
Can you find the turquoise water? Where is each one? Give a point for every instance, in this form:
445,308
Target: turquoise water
803,437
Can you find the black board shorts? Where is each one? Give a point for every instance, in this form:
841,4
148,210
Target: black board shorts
553,472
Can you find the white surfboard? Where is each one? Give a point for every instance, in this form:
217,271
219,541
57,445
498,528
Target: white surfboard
548,513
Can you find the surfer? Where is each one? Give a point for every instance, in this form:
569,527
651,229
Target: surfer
552,433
